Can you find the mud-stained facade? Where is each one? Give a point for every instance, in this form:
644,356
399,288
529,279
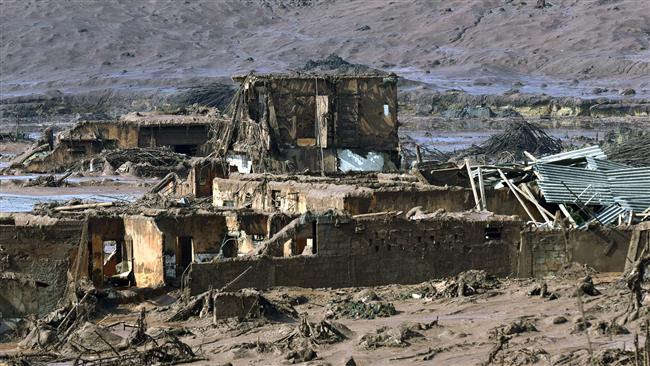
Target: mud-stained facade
340,251
36,255
321,123
353,194
40,255
185,134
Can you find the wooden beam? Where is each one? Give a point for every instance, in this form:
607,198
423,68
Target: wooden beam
471,180
514,191
528,194
481,187
83,206
567,214
530,156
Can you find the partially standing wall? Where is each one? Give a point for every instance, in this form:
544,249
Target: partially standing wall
39,251
374,252
545,252
147,241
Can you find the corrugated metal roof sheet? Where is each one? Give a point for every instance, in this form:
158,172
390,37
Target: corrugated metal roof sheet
598,164
606,215
629,187
590,186
591,151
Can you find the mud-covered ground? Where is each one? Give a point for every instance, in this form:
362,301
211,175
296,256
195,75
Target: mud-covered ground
426,328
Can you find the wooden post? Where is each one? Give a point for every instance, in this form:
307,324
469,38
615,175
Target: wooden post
471,180
481,187
418,154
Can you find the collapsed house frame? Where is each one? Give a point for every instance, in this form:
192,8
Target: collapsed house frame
321,123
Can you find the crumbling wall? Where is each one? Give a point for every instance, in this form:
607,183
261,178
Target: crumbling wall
375,252
40,250
201,176
85,140
206,230
102,229
192,137
293,196
545,252
18,296
147,243
238,193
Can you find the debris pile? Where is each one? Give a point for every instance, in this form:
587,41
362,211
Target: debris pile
307,334
243,304
139,162
49,180
335,64
571,189
302,340
516,139
469,283
413,152
365,305
214,95
390,337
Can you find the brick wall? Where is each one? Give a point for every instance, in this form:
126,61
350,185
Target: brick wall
546,252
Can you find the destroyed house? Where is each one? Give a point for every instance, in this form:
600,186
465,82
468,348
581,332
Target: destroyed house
186,134
323,123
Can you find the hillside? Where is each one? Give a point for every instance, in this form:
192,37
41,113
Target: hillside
482,46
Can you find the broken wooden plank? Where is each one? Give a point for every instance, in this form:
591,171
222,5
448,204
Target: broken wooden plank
514,191
529,195
632,250
83,206
471,180
481,186
530,156
375,214
567,214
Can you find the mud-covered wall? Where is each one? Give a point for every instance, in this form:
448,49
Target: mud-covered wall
40,250
147,243
170,135
361,112
365,253
546,252
455,104
17,297
85,140
102,229
206,230
299,197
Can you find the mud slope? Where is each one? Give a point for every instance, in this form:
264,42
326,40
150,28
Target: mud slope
80,45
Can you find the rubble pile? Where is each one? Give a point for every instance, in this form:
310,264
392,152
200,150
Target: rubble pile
141,162
307,334
510,145
215,95
570,189
390,337
468,283
335,64
365,305
242,304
